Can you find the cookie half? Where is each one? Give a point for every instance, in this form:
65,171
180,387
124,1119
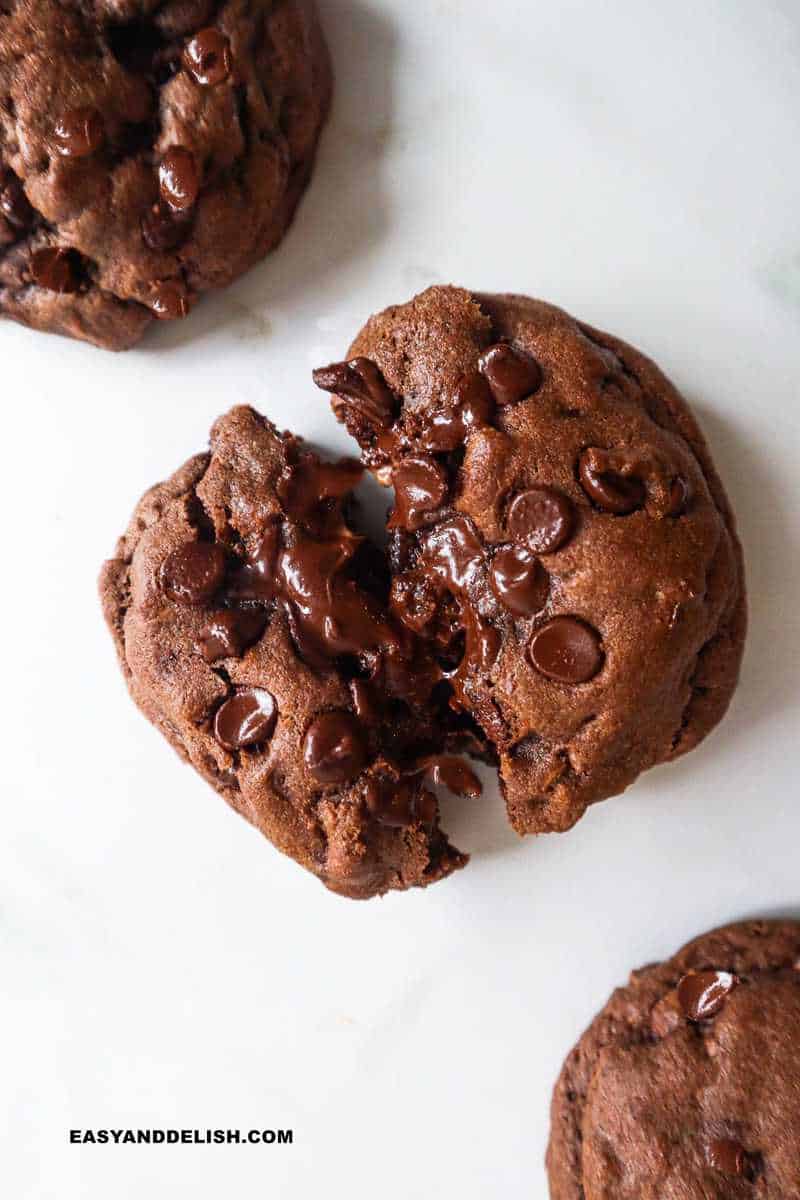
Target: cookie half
250,620
148,153
561,539
686,1084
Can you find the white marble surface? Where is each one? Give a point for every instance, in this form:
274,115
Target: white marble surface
162,965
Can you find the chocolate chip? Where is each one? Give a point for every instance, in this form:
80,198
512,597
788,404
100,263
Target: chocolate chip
56,269
519,581
194,572
334,750
607,488
541,519
169,300
445,770
395,803
162,228
511,374
360,386
14,204
78,132
228,633
246,719
178,178
567,650
679,494
207,57
702,994
420,487
727,1156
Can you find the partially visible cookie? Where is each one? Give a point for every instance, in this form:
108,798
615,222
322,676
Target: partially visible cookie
251,624
561,539
686,1084
148,152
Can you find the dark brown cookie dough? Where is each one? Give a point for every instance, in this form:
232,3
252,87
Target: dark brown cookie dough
686,1084
251,622
561,539
148,152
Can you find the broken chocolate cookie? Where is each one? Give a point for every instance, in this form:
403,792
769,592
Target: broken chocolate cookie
252,624
561,541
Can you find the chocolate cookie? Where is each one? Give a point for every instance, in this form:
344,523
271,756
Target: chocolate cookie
561,540
686,1084
252,626
148,152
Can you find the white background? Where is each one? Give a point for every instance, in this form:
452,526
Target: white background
636,162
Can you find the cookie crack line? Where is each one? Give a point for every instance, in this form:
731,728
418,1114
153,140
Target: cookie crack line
202,135
524,610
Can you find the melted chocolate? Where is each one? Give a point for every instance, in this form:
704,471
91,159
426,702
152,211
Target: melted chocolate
541,519
169,300
420,487
194,572
511,373
178,178
229,632
519,581
608,485
207,57
566,650
246,719
78,133
55,269
361,393
702,994
335,749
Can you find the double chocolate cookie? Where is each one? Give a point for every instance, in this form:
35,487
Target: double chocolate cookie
252,624
561,542
148,152
686,1084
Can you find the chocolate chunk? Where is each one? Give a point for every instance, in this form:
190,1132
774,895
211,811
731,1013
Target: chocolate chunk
420,487
194,572
360,387
334,749
229,632
445,770
454,552
246,719
541,519
162,228
207,57
567,650
178,178
169,300
78,132
56,269
702,994
511,374
608,488
519,581
395,803
726,1156
14,204
471,407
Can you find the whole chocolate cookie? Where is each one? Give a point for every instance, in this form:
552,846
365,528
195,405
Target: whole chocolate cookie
686,1084
148,152
561,540
251,623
